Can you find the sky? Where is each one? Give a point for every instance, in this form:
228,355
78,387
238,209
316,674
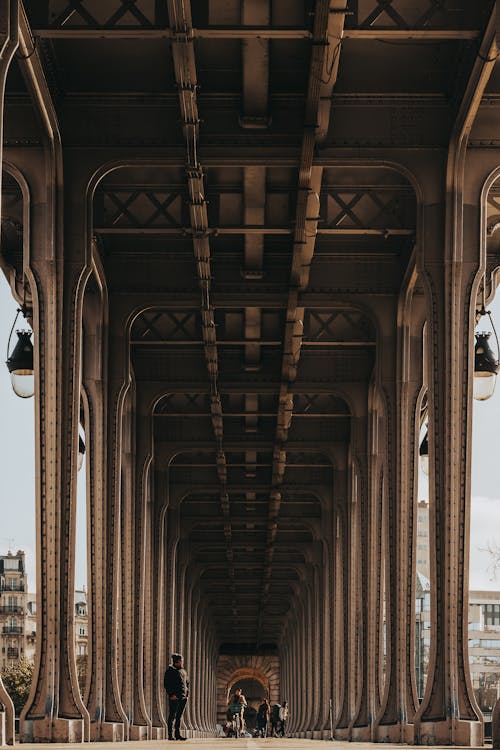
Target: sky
17,461
17,472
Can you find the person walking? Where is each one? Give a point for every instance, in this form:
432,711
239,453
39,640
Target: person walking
283,717
275,717
176,684
263,713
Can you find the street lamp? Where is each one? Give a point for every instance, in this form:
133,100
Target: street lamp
486,364
20,362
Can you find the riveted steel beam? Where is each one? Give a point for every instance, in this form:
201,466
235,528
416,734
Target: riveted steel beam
179,13
254,32
325,53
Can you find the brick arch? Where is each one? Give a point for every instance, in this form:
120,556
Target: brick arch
248,673
232,668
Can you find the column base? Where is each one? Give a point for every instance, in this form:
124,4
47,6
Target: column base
450,732
342,733
158,733
138,732
107,731
6,728
361,734
395,733
495,726
52,730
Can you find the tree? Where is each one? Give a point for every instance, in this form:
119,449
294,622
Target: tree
17,680
494,552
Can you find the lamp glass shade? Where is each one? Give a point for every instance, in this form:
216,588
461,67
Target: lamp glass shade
484,385
485,368
20,366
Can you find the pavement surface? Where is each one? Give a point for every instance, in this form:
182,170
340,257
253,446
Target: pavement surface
223,743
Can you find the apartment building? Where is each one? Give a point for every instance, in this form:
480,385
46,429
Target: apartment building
18,613
483,628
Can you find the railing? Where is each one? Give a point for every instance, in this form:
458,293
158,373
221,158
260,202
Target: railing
10,609
12,587
12,629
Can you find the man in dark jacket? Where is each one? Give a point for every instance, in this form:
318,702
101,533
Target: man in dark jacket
176,684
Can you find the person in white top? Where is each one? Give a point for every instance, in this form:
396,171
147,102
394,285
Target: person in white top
283,718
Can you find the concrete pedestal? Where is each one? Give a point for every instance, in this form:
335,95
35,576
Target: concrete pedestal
394,733
361,734
138,732
107,731
52,730
343,733
450,732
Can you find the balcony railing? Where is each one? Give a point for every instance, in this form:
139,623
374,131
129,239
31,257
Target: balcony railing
17,629
10,609
12,587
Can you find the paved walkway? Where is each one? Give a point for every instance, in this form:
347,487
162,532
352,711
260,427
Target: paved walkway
222,743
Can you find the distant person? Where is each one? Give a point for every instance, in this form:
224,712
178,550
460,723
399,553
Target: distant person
283,718
263,713
236,708
176,684
275,717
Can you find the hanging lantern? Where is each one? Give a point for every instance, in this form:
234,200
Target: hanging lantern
20,365
424,453
486,367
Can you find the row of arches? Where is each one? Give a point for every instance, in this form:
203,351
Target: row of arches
369,520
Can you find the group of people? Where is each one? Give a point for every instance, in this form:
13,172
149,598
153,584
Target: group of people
272,718
176,684
276,716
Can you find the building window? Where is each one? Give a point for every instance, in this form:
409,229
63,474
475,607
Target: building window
11,563
492,614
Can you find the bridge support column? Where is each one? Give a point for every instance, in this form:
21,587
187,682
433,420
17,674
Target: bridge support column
349,560
449,714
394,722
337,589
159,647
9,28
58,271
106,723
7,717
361,724
140,728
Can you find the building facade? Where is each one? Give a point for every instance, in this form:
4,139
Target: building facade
484,647
483,627
18,616
17,611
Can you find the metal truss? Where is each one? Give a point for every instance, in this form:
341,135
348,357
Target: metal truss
97,14
437,18
401,15
386,209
